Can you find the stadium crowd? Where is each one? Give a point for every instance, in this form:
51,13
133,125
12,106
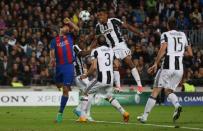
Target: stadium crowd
27,26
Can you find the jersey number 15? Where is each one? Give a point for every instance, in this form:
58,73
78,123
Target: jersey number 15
178,44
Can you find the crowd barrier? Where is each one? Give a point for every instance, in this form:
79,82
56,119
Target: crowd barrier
52,98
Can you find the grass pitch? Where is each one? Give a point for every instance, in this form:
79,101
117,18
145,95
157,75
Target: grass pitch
108,119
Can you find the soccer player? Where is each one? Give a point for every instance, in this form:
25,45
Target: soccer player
173,45
79,70
110,27
62,56
102,62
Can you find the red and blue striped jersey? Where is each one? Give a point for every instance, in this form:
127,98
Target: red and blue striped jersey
63,46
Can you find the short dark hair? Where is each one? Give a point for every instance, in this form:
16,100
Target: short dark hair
172,23
102,10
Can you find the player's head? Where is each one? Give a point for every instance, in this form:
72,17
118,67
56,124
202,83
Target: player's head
102,15
172,24
63,30
101,40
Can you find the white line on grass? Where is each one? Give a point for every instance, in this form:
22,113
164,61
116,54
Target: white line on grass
146,124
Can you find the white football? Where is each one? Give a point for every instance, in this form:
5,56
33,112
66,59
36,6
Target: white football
84,15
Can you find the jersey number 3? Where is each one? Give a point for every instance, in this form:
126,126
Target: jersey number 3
108,62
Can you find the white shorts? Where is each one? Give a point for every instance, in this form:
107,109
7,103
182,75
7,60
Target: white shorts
168,78
100,88
82,84
121,51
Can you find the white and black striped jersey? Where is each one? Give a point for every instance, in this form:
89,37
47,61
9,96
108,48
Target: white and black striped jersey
177,42
78,63
111,31
104,56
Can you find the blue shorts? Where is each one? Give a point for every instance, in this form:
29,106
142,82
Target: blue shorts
64,74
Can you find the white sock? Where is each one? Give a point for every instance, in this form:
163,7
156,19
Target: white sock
117,105
84,101
89,104
78,108
174,99
136,76
117,78
148,107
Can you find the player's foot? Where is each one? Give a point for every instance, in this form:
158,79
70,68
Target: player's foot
176,114
141,119
89,118
140,89
59,118
126,117
82,119
77,112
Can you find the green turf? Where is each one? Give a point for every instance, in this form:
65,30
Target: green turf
42,119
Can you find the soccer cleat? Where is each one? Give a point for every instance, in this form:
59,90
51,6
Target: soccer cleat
77,112
140,89
176,114
141,119
59,118
82,119
89,118
126,116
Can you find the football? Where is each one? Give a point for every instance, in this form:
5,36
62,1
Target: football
84,15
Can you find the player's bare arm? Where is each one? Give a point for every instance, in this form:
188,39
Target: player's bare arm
131,28
92,69
189,50
67,21
52,57
161,53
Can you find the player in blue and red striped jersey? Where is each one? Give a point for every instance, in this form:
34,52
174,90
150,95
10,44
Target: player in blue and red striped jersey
62,56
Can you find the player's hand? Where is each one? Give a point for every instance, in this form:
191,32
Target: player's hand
66,20
83,76
152,69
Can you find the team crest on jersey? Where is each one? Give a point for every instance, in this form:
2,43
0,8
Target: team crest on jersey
61,44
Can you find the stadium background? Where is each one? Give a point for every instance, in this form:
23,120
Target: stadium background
27,26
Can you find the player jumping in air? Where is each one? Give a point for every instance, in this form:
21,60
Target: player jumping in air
111,28
173,44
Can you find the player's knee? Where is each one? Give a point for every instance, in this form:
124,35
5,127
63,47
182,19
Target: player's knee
129,62
109,99
168,91
66,90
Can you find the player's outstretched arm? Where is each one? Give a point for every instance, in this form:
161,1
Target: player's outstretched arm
131,28
69,22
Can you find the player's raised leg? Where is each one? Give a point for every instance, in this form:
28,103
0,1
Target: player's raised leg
116,74
134,72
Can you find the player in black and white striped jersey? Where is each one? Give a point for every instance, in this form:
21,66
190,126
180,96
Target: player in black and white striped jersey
102,62
111,28
173,46
79,70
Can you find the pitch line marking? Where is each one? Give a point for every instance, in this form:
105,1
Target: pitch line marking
146,124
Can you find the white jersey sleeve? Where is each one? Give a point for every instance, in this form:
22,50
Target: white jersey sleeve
164,38
76,49
94,54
